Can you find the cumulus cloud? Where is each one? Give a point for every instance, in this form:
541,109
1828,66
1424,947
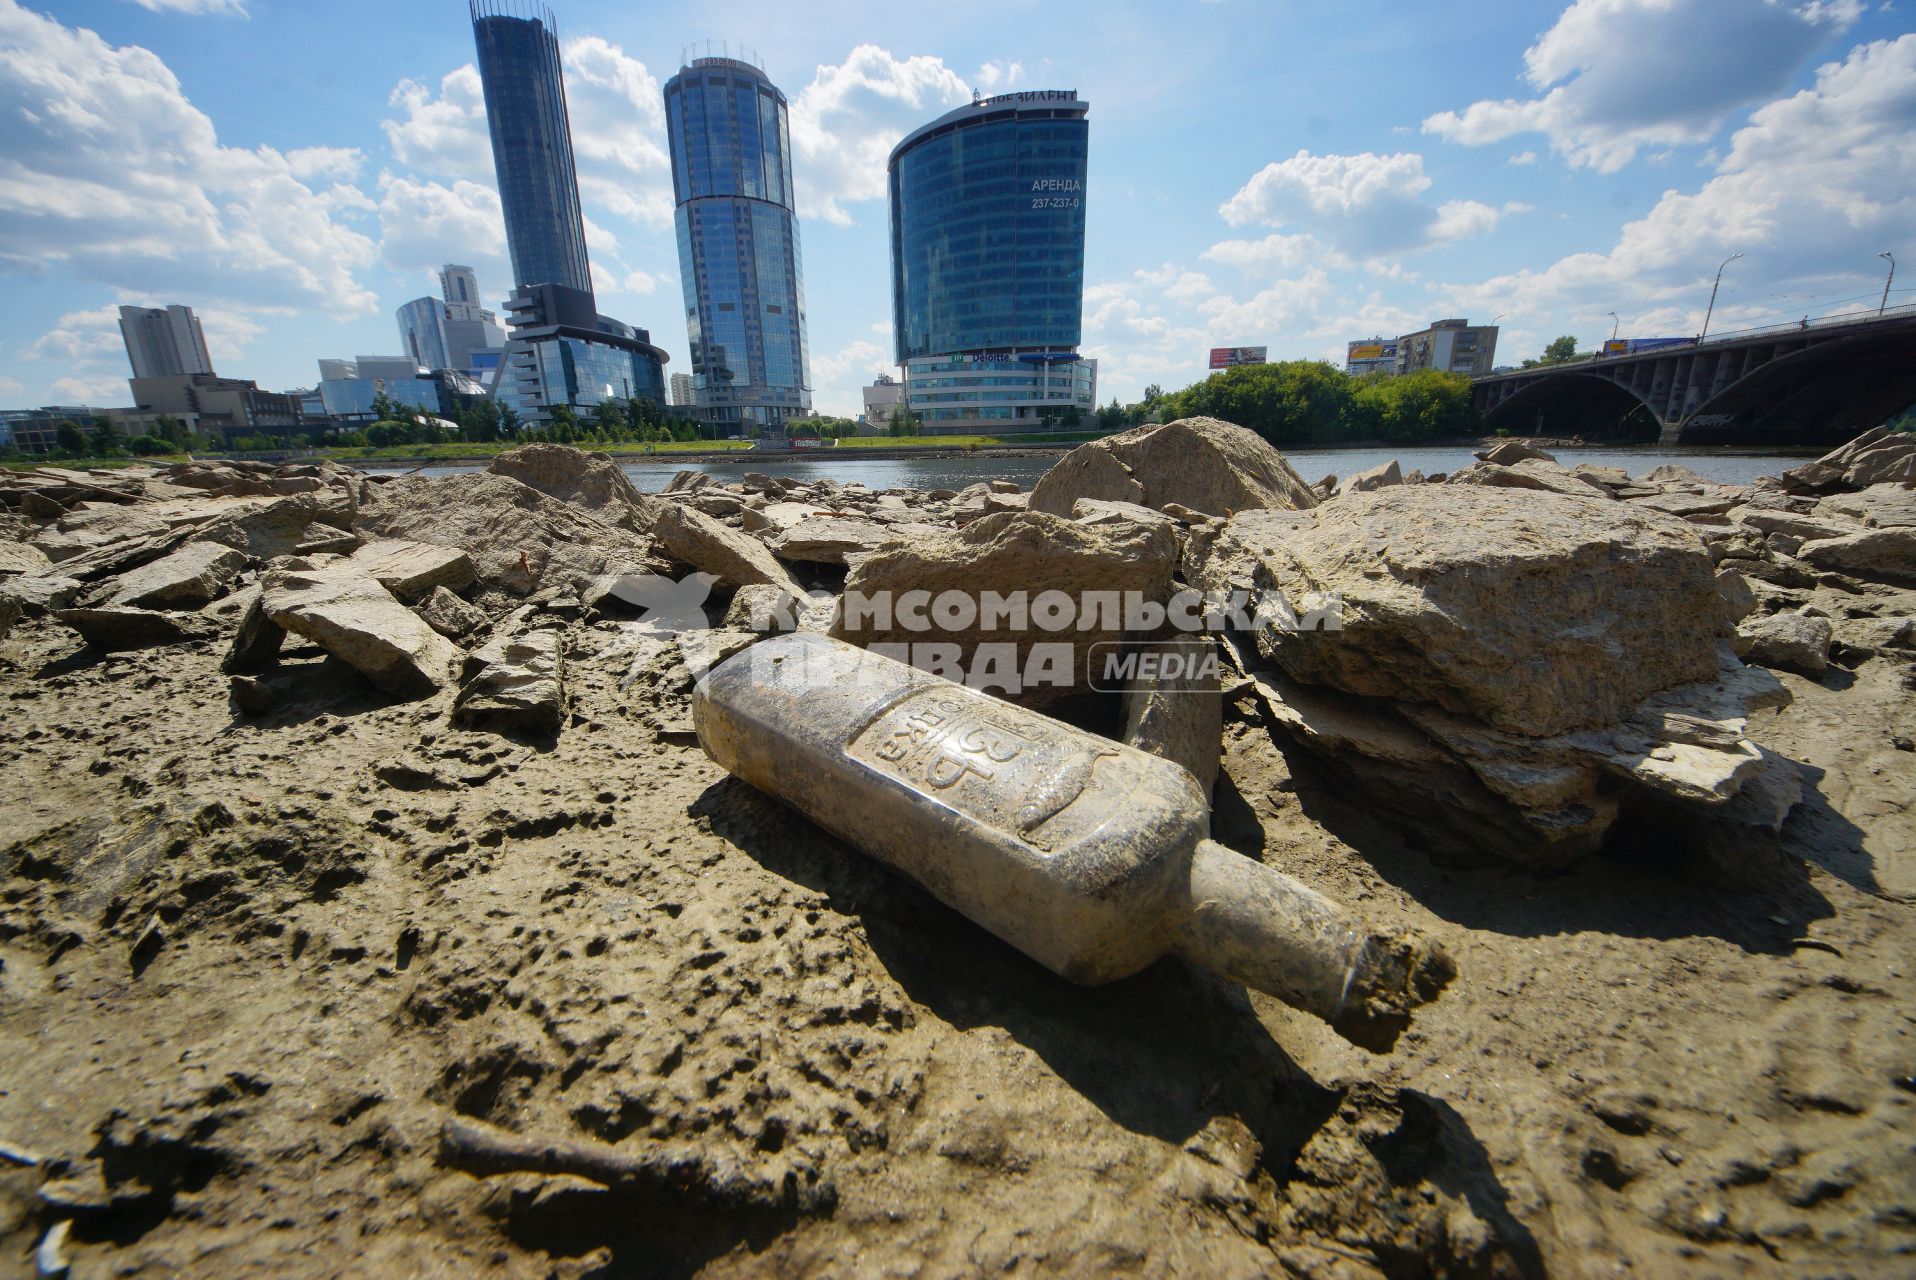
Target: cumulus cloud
236,8
847,120
1813,186
1364,205
424,223
110,172
443,135
838,377
1616,76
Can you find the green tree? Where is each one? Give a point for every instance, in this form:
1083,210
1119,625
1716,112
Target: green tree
1560,351
69,438
902,422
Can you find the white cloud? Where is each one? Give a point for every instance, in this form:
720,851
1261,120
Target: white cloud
1814,185
80,337
836,378
12,388
847,120
236,8
996,77
445,135
110,172
99,391
1523,158
1363,205
1274,253
1619,75
424,223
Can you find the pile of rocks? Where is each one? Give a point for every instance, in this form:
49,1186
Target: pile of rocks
1526,655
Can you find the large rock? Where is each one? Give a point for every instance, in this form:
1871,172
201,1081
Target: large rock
1378,477
1029,552
411,570
113,627
515,683
345,610
41,593
1888,554
1679,759
21,557
9,614
1879,506
735,559
264,530
589,480
1878,456
195,575
1200,463
829,539
1529,473
450,616
1790,641
1533,612
520,539
1508,453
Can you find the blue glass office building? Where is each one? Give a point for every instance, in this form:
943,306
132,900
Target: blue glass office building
738,244
987,250
531,142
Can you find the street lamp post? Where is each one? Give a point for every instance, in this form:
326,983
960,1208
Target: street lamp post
1713,288
1887,283
1615,324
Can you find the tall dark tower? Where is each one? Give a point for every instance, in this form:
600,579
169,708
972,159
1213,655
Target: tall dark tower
738,244
531,142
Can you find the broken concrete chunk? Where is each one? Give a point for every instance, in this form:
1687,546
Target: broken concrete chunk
1376,478
411,570
1788,640
450,616
1200,463
22,557
736,559
515,683
111,628
195,575
345,610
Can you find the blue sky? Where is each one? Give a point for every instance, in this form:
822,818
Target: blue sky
1287,173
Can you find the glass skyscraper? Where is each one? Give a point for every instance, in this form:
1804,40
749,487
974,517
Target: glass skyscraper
531,143
738,244
562,351
987,252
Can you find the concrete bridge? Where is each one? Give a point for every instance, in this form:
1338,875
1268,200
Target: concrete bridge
1815,383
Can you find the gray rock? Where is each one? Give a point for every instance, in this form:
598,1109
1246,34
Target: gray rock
411,570
515,683
592,481
1788,640
9,614
345,610
251,695
736,559
1533,612
266,530
1508,453
41,593
1376,478
1734,590
1879,506
1007,553
1878,456
195,575
112,628
1529,473
21,557
1200,463
828,539
1886,554
450,616
256,639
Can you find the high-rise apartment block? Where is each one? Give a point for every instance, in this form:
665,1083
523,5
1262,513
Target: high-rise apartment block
164,341
987,249
726,125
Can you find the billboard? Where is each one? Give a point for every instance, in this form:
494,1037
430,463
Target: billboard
1631,346
1370,351
1225,357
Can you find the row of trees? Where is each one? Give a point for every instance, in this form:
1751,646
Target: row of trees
1300,402
822,427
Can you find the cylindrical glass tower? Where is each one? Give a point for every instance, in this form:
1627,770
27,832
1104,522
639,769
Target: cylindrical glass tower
738,244
531,142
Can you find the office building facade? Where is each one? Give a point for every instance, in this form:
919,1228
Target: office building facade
422,332
1453,346
164,341
987,248
564,353
531,143
446,332
730,141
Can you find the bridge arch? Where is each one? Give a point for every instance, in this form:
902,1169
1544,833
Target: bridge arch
1827,392
1576,402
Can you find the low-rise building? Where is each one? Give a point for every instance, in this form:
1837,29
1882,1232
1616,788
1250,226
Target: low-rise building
228,406
881,397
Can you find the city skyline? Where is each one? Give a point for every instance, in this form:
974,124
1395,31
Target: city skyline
1285,180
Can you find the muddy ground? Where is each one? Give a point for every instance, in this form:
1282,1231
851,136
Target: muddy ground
250,967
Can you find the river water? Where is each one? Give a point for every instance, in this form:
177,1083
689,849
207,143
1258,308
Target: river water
1729,466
